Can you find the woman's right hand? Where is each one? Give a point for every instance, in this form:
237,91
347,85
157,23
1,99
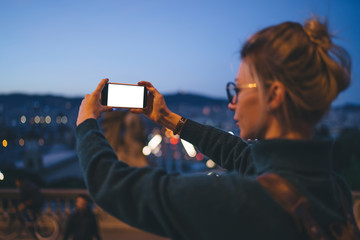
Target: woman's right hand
156,108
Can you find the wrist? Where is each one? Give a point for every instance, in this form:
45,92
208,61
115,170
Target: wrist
170,120
82,119
179,126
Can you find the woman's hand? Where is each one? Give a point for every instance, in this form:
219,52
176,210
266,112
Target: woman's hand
156,108
91,107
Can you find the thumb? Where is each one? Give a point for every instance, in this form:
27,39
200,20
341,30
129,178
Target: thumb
137,110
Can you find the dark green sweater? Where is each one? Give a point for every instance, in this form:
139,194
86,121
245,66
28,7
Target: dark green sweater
232,205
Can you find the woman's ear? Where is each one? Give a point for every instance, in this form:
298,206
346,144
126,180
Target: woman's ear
276,95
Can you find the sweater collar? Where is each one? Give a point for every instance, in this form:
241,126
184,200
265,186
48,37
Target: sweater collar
292,155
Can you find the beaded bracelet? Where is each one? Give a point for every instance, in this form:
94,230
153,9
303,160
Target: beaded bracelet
179,126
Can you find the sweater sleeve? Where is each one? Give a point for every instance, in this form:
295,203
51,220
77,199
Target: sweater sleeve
169,205
225,149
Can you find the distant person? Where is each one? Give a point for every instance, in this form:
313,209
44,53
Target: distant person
280,183
126,135
31,198
82,224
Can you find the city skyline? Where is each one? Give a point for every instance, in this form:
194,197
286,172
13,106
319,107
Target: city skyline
65,48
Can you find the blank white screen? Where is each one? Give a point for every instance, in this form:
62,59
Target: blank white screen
126,96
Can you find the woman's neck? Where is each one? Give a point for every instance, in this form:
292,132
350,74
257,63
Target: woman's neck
277,130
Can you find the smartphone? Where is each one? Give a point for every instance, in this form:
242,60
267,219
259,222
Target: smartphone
120,95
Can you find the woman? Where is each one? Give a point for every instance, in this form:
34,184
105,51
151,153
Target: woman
287,79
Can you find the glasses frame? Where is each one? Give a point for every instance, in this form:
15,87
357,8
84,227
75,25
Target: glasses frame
232,85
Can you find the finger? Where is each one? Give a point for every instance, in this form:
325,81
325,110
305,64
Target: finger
105,109
145,83
148,86
108,109
100,86
137,110
153,91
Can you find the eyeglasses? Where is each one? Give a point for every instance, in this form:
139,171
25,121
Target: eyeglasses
232,90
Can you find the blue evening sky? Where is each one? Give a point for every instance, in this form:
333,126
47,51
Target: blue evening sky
66,47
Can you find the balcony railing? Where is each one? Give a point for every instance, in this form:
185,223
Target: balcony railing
61,203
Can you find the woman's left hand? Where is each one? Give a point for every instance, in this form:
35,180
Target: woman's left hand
91,107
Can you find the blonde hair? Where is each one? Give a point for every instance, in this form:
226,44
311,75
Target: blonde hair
303,57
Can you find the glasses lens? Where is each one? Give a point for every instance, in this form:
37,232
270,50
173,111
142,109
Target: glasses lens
231,92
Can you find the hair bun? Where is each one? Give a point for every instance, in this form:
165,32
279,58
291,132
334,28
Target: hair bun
318,33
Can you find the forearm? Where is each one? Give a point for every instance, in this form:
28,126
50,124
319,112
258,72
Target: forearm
97,158
223,148
117,188
169,120
170,205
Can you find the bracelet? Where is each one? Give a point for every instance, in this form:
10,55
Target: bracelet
179,126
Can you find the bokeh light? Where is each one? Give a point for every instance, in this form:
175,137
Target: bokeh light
21,142
4,143
210,163
146,150
23,119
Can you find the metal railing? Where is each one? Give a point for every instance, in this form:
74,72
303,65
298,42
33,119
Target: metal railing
61,203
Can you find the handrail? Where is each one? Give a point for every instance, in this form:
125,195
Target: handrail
59,202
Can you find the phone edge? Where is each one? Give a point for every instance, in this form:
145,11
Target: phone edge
104,95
